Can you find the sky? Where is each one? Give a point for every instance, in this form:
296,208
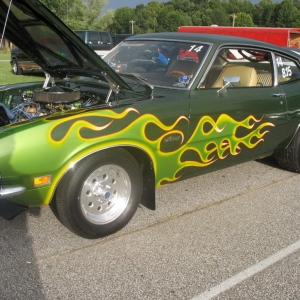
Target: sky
114,4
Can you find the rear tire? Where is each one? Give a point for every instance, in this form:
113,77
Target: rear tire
15,67
289,158
101,194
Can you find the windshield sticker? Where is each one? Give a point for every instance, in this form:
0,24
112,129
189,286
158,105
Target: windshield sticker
279,62
286,72
195,48
183,81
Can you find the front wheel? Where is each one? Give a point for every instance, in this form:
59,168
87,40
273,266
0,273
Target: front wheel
101,194
15,67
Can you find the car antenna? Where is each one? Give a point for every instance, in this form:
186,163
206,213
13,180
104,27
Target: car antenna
5,24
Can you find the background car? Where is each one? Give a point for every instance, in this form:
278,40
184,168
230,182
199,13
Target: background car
100,41
95,140
21,62
118,38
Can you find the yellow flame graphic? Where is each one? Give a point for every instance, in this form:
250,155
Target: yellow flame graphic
130,128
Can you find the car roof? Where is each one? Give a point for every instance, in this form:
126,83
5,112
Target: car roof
83,30
215,39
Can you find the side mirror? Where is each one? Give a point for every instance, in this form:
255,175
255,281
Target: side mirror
233,81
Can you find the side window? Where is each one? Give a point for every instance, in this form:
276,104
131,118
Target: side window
105,38
287,70
94,38
238,68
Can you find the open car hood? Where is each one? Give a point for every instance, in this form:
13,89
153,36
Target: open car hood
57,49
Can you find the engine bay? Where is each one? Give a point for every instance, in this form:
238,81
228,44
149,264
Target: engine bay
31,104
38,102
23,102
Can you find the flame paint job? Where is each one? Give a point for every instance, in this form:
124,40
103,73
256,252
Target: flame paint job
167,165
71,137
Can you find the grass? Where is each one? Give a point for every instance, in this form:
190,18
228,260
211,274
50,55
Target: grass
7,77
4,56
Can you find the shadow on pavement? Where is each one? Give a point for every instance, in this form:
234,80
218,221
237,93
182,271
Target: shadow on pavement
269,161
19,272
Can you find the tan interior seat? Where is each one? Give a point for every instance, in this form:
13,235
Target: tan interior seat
183,67
248,76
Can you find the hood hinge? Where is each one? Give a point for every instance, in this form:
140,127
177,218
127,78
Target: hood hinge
114,87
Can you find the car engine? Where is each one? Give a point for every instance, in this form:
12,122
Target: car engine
46,101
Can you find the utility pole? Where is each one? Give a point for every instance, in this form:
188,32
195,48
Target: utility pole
132,22
233,18
68,12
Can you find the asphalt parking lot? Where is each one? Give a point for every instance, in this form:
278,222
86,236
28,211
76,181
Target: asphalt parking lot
231,234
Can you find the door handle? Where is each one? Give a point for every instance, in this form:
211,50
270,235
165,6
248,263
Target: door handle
279,95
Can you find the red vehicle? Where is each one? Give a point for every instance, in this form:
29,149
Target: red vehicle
286,37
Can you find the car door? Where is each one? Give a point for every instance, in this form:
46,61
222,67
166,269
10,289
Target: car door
164,131
245,120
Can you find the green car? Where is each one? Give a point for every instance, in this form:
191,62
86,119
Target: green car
99,135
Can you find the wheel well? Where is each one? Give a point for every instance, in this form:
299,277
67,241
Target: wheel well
145,163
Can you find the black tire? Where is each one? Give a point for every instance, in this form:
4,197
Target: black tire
15,67
289,158
101,194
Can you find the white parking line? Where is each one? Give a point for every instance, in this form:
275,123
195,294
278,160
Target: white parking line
238,278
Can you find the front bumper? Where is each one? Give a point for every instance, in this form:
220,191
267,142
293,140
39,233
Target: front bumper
8,190
11,191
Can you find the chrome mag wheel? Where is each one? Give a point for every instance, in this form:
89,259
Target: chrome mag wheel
105,194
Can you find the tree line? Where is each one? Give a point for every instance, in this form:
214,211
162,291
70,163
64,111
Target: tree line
168,15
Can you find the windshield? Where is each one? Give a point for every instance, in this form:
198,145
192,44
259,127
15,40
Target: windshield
162,63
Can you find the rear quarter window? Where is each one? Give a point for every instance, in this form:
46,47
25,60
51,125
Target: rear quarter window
287,70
